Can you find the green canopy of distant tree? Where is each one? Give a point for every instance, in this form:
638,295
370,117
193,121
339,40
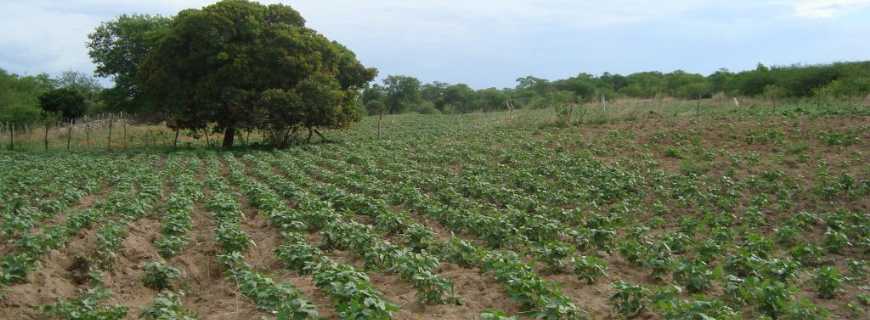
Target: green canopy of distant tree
19,97
66,102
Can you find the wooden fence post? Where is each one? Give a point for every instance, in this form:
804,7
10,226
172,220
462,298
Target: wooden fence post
207,139
125,132
69,131
109,142
12,136
380,117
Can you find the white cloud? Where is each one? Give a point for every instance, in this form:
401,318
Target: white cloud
479,40
827,8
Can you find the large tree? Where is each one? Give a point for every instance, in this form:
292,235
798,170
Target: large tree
118,48
242,65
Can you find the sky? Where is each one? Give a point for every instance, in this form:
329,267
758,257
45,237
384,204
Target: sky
491,43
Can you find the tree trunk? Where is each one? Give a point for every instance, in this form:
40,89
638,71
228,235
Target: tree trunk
109,142
12,137
229,137
310,132
285,136
45,137
175,144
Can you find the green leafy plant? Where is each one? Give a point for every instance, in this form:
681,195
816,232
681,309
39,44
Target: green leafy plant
828,281
86,307
554,255
807,254
699,309
590,268
159,276
496,315
696,276
771,297
167,305
628,300
835,241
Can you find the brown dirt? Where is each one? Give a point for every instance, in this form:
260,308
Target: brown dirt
593,298
478,293
49,282
125,277
262,258
209,293
262,254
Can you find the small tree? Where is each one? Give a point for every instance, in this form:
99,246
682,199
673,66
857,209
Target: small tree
69,103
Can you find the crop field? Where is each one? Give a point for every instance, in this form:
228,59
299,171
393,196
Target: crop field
650,215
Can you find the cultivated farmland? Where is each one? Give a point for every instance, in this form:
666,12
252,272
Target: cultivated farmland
741,214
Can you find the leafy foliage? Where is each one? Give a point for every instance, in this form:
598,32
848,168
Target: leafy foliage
255,67
86,307
159,276
70,104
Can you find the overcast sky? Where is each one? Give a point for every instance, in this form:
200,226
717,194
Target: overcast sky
492,42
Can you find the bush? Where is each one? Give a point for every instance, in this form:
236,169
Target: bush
427,108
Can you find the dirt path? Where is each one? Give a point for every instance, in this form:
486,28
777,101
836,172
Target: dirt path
209,293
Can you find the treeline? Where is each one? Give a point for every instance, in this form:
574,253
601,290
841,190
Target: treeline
399,94
20,96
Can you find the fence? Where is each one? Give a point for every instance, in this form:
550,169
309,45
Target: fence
103,131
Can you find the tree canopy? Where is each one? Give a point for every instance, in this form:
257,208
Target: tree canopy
243,65
19,97
118,48
66,102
